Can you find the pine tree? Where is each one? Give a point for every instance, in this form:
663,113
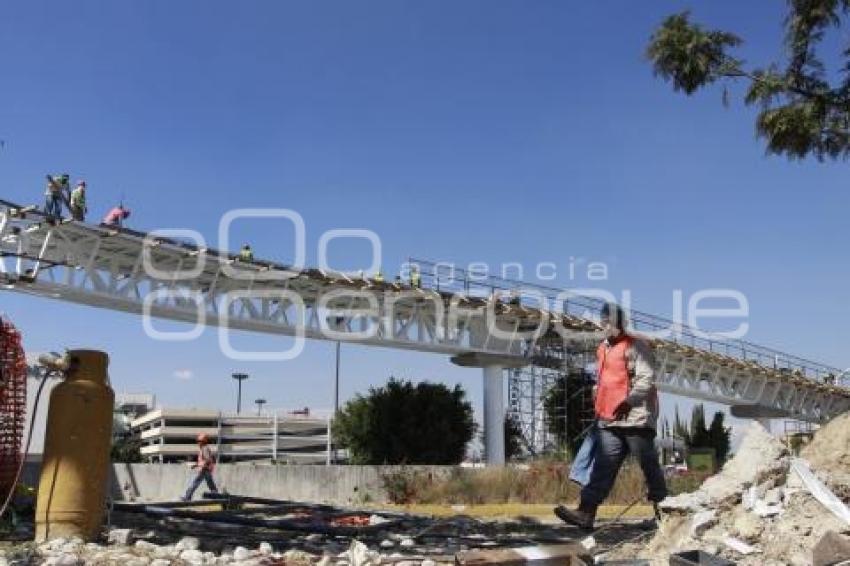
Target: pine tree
721,437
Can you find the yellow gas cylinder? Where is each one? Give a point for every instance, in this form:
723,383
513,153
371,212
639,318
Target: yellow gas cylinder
74,472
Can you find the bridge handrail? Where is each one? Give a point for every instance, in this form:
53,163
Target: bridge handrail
450,278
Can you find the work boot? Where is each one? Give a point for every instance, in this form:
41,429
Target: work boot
656,510
582,517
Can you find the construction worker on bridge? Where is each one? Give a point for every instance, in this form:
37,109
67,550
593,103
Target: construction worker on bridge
55,194
415,277
78,202
626,407
246,254
378,277
205,464
116,216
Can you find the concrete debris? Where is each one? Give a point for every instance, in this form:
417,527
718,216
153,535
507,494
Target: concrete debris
358,554
571,554
740,546
702,521
761,455
833,548
820,491
188,543
762,508
120,536
822,454
192,556
298,558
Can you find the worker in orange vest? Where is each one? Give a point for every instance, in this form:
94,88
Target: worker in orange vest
626,406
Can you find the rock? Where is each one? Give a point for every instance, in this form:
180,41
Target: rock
71,547
140,561
325,561
120,536
358,554
298,558
160,562
746,526
145,546
168,551
832,548
265,549
407,543
428,562
192,556
387,544
703,521
242,553
773,496
188,543
65,560
315,537
739,546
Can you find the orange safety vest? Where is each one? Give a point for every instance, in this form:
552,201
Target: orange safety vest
613,382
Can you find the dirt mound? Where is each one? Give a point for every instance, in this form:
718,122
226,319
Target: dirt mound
759,509
829,454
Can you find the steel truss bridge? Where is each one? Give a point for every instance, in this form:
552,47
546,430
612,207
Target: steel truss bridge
484,322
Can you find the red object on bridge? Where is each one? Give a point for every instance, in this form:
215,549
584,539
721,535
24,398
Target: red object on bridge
13,404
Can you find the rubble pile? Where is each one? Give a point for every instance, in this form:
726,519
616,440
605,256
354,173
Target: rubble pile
188,551
764,507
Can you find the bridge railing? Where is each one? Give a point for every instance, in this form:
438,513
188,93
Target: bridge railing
446,277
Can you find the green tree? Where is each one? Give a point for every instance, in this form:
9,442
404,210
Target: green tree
698,436
802,111
720,437
405,424
569,408
126,449
680,429
513,438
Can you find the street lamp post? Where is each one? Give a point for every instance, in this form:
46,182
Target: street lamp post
336,397
260,403
239,377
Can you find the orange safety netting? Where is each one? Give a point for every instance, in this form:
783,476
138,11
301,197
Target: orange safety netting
13,403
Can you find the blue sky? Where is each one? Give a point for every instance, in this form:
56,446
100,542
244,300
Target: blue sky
494,131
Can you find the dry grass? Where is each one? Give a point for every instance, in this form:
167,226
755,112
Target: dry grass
541,482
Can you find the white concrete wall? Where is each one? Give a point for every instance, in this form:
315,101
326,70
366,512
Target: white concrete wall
340,485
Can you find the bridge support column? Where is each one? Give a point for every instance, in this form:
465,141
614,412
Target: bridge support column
494,398
494,416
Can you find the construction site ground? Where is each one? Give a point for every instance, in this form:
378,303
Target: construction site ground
765,507
136,539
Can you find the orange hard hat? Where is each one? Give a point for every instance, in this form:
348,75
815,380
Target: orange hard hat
203,438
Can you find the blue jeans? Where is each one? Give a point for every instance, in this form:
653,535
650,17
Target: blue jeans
582,465
613,444
199,478
53,206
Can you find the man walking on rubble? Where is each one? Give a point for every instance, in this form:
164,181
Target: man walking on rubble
205,464
626,407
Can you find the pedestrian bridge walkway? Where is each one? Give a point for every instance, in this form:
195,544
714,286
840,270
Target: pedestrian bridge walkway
492,323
